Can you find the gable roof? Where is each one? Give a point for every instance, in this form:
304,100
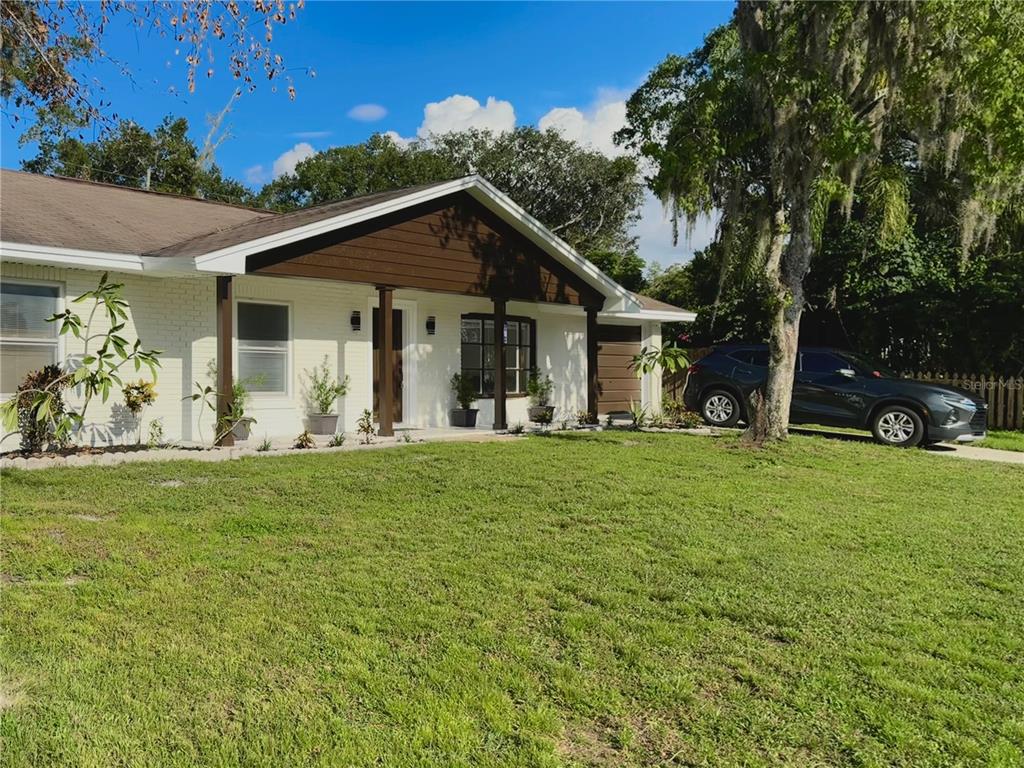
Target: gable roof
70,222
91,216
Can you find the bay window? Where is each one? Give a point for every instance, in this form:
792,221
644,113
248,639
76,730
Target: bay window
27,341
478,353
263,347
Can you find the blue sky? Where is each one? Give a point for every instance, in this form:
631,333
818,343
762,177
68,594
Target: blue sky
566,65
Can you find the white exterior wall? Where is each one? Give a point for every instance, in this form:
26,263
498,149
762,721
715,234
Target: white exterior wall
178,316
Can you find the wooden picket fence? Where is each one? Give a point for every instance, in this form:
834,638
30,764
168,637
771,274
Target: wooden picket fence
1004,395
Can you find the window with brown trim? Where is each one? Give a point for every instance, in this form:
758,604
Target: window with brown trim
478,352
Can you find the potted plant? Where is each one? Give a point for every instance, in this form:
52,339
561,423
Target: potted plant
241,425
538,389
324,391
465,396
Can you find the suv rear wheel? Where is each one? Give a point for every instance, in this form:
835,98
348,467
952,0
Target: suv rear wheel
897,425
720,408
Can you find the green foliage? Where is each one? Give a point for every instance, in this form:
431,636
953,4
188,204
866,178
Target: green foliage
104,353
304,441
325,389
264,445
365,428
138,395
129,154
627,269
37,418
156,438
539,388
668,358
784,113
675,412
586,198
336,440
464,390
517,429
638,415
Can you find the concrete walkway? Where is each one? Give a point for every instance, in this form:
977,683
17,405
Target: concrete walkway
968,451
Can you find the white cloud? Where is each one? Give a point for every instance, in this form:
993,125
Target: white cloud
401,141
288,160
595,126
256,175
654,234
458,113
367,113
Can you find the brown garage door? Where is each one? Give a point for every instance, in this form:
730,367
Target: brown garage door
617,384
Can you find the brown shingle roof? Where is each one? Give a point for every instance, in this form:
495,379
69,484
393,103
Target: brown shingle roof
646,302
252,230
91,216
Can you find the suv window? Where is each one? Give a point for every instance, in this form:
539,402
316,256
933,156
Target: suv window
757,357
821,362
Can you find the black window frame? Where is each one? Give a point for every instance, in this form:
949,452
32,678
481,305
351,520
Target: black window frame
523,373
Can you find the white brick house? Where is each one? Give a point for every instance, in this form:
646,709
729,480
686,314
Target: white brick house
203,278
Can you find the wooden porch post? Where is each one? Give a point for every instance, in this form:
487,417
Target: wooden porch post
386,365
499,364
225,358
592,373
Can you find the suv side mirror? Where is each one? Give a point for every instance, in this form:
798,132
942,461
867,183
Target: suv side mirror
847,372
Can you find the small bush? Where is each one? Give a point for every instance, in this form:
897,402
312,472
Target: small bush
517,428
337,440
305,440
265,445
365,427
677,414
36,423
156,437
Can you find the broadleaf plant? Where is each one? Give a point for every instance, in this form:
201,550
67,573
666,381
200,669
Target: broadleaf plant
104,354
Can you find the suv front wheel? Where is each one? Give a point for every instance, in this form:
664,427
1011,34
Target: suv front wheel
898,425
720,408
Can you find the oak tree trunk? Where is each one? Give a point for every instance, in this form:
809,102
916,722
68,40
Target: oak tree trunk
786,278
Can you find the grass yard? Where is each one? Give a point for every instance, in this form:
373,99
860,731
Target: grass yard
1004,440
606,599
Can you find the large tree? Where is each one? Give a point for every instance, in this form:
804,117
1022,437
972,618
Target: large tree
589,200
164,160
781,115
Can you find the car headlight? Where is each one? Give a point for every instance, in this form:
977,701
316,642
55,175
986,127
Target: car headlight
956,401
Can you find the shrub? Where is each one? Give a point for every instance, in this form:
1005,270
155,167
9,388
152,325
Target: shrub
324,389
676,413
465,391
305,440
156,434
337,440
516,429
365,427
138,395
38,416
539,388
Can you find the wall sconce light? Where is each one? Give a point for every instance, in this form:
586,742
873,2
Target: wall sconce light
431,325
357,321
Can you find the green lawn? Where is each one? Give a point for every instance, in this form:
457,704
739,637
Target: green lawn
1004,440
609,599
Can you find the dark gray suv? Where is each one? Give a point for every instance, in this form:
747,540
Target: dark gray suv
837,389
